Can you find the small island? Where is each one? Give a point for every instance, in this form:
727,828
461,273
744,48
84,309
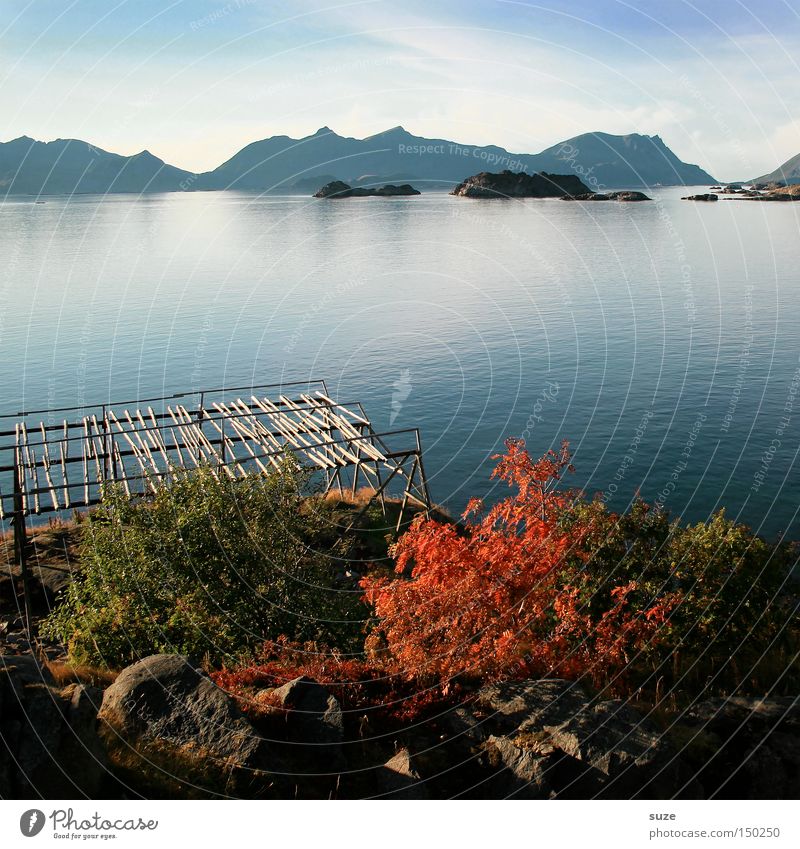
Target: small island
338,189
621,196
758,191
508,184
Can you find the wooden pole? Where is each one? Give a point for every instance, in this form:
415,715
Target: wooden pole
20,547
200,408
406,493
380,488
423,477
107,458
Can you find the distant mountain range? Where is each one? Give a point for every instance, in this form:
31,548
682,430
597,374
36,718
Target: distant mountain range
397,155
283,164
788,173
68,166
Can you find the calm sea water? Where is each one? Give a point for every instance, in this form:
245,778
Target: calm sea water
661,339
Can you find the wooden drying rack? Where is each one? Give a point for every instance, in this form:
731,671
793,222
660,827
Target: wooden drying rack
138,445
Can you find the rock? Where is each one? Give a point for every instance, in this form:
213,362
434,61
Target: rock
51,749
314,712
398,778
549,739
82,706
388,191
508,184
166,723
622,196
338,189
29,724
45,583
52,557
743,748
705,197
314,720
628,196
755,191
588,196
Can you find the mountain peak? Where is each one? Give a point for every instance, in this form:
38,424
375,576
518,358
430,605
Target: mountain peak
324,131
392,131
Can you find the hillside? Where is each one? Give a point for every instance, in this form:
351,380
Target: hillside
606,161
67,166
789,172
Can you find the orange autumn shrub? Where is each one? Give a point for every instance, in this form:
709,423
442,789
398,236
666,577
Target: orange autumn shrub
505,593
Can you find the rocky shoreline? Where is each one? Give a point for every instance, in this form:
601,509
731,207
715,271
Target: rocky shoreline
164,729
757,192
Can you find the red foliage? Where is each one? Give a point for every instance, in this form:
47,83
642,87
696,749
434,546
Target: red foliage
500,596
363,690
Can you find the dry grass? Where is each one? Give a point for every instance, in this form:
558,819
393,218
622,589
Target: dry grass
66,673
364,494
360,499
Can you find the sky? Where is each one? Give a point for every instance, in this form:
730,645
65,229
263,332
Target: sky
193,81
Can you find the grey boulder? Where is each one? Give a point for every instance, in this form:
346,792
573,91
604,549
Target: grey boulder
166,723
550,739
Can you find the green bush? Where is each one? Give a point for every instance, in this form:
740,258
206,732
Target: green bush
208,566
736,600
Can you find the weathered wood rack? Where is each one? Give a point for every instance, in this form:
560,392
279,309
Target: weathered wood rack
64,465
